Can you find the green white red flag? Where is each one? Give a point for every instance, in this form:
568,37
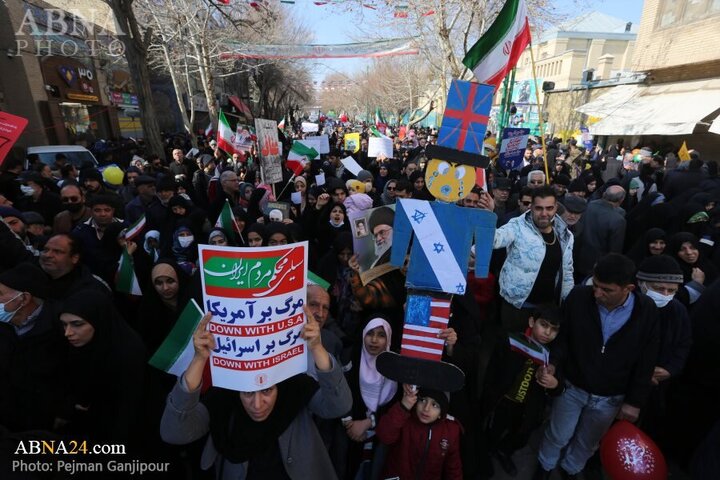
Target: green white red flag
176,352
225,136
498,51
380,122
528,347
299,155
126,281
226,220
136,228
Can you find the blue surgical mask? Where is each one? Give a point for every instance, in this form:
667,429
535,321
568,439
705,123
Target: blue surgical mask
6,316
659,299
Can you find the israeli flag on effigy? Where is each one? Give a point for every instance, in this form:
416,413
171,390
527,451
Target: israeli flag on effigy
444,233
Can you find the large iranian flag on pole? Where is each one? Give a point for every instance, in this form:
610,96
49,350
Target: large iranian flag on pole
497,52
225,135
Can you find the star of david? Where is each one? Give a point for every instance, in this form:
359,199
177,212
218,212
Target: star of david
460,288
438,247
419,216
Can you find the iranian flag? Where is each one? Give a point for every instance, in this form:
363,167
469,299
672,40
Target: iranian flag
380,122
377,133
227,222
281,124
176,352
225,136
209,130
528,347
497,52
299,155
126,281
136,228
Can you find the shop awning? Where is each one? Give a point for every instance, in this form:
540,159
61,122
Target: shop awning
665,109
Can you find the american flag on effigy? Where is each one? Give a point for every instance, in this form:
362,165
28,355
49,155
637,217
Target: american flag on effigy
424,318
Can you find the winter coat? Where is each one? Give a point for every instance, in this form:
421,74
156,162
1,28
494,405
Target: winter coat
420,451
621,366
525,252
303,453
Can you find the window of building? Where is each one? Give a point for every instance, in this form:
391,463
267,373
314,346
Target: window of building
673,13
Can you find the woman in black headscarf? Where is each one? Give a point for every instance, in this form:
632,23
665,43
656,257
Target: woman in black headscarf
697,271
652,243
333,267
420,191
104,372
265,434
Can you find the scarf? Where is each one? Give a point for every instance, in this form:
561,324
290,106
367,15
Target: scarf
237,436
375,389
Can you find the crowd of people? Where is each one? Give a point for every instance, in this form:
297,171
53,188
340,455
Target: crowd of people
607,258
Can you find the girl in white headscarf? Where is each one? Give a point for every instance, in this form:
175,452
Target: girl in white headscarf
372,393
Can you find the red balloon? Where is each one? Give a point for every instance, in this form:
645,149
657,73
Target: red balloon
628,454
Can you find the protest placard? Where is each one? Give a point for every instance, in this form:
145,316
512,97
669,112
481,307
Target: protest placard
11,126
308,127
380,146
269,146
352,165
352,142
320,143
512,147
256,297
373,251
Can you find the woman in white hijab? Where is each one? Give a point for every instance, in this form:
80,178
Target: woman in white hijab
372,393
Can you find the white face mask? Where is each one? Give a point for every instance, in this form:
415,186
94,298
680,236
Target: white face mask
186,241
27,190
659,299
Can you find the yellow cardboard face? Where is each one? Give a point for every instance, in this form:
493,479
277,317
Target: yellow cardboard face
448,181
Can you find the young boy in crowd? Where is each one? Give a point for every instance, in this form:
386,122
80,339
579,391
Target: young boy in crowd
517,384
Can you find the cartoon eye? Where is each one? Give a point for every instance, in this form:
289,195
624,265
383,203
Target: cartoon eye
446,190
443,168
459,172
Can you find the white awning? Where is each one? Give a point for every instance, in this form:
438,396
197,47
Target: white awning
665,109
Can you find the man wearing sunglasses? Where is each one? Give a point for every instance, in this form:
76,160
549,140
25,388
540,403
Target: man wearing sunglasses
75,213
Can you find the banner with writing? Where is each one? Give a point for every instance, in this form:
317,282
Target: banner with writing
11,126
256,297
269,149
512,147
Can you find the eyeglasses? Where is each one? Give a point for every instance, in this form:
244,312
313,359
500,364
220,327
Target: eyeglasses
391,189
526,203
70,199
384,233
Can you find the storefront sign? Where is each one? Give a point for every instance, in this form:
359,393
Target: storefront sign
73,79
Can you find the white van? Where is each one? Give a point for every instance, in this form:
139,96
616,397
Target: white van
77,155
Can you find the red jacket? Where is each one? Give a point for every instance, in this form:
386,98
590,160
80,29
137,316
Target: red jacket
436,447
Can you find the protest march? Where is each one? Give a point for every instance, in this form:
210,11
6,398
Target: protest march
494,285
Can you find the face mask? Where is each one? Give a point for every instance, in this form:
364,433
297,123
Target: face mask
336,225
6,316
74,207
186,241
368,187
27,190
659,299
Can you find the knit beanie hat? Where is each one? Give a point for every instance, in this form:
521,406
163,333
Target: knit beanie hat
660,268
364,176
441,398
635,183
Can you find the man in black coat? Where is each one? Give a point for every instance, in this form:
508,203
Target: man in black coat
603,226
605,353
31,351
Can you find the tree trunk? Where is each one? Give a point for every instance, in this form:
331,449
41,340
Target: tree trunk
179,89
136,55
